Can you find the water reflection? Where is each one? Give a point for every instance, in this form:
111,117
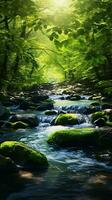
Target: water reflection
66,185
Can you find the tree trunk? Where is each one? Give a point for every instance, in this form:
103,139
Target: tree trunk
16,65
6,52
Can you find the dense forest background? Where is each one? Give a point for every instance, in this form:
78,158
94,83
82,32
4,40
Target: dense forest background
55,41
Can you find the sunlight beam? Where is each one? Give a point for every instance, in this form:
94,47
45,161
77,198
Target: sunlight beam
60,3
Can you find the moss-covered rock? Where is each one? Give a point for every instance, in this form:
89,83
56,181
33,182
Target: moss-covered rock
23,155
85,137
108,112
100,122
18,125
95,97
73,137
91,109
51,112
30,119
97,115
95,104
67,119
7,165
13,125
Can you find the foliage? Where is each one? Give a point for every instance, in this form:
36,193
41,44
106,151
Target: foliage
87,49
42,39
18,51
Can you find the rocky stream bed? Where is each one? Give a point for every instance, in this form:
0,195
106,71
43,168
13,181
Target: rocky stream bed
79,171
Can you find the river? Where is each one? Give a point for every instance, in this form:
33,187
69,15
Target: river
72,174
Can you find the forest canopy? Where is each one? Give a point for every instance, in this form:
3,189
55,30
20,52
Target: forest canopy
55,41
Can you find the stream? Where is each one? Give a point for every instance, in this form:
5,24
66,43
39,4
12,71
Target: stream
72,174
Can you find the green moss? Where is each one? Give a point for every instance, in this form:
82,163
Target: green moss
16,125
30,119
85,137
19,125
23,155
73,137
97,97
66,119
97,115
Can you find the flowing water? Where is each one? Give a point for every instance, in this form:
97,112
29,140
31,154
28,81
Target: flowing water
72,174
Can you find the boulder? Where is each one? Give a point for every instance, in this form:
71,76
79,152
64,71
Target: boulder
30,119
95,97
51,112
13,125
100,122
95,116
91,109
23,155
72,137
18,125
82,138
67,119
62,98
95,104
109,114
